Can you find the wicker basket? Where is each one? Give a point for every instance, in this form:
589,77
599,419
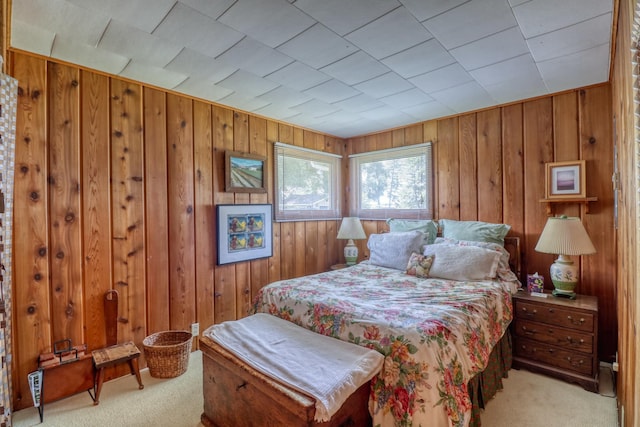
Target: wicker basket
167,353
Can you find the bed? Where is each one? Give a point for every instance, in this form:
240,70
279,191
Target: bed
445,339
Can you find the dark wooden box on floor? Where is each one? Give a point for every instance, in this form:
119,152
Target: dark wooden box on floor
238,395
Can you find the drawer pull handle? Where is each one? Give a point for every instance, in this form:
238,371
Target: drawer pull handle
527,331
579,362
527,312
551,350
579,322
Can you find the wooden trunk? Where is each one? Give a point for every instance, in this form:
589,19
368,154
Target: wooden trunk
235,394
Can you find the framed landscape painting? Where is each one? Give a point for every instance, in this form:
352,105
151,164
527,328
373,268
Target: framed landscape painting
244,173
565,180
244,232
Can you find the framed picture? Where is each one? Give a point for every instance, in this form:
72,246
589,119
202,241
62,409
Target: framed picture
244,173
565,180
244,233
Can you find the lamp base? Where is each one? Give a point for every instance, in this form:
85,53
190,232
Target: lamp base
350,253
564,275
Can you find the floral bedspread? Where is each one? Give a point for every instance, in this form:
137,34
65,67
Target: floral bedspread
435,334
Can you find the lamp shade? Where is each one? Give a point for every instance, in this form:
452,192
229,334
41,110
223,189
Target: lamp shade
565,236
351,228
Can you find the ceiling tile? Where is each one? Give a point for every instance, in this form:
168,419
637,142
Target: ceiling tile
55,16
213,9
429,109
315,108
385,85
32,39
394,32
242,102
424,10
152,75
317,47
89,56
581,36
471,21
247,84
542,16
203,89
276,111
489,50
580,69
345,16
190,28
273,22
200,66
442,78
355,68
332,91
138,45
285,96
516,78
466,97
406,99
255,57
144,15
419,59
359,103
298,76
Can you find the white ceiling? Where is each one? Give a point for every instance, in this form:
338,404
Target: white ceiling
342,67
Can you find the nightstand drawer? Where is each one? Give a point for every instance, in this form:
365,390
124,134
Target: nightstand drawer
554,315
565,338
554,356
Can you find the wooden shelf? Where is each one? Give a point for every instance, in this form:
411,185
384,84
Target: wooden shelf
581,200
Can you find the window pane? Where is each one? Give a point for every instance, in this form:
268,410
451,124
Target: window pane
394,184
306,183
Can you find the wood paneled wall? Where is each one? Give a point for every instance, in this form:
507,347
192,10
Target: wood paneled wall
117,183
490,166
116,188
628,290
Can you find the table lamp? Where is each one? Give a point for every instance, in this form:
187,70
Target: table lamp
351,229
564,236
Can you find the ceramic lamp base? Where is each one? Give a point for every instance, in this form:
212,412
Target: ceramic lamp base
564,275
350,253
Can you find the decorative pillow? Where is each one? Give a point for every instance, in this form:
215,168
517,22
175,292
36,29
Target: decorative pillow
477,231
504,269
427,226
419,265
462,263
393,250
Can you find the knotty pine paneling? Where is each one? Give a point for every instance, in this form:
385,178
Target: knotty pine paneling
627,289
164,177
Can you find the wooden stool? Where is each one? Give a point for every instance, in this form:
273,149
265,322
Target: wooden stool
114,355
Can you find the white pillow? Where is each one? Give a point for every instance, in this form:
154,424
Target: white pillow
393,250
462,262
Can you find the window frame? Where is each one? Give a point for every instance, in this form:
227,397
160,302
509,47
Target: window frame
281,149
355,160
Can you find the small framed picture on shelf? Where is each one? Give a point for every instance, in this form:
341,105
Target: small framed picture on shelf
565,180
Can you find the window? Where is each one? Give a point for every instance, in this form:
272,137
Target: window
307,184
392,183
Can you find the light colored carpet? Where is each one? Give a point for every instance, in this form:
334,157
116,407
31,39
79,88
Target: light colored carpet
528,400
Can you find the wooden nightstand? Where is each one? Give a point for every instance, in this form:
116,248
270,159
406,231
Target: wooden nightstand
339,266
558,337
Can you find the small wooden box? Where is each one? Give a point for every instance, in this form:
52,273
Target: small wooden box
235,394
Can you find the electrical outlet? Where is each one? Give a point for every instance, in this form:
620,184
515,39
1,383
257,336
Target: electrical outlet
195,329
614,366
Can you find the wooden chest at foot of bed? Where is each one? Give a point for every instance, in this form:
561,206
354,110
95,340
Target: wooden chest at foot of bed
237,395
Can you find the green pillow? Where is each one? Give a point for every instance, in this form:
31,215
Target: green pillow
476,231
427,226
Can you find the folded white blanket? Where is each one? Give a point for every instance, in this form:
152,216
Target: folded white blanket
325,368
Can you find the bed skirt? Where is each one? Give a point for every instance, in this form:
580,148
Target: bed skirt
484,386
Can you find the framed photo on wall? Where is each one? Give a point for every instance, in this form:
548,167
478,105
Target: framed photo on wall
244,232
565,180
244,173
